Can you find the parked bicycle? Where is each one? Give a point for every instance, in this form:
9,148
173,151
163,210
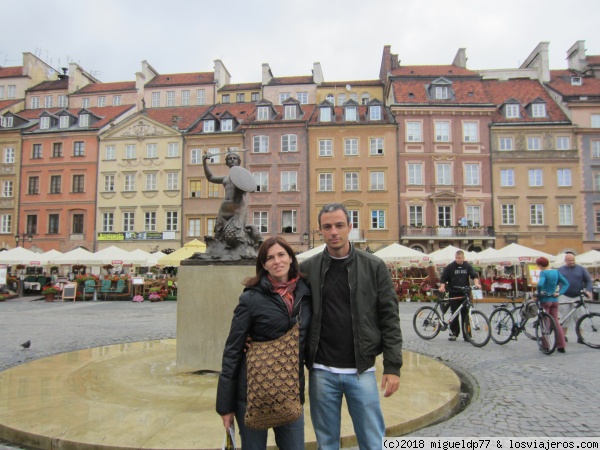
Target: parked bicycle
429,321
507,324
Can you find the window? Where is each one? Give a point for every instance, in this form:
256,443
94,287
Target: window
225,98
444,216
341,99
442,131
377,219
129,182
63,122
194,227
117,100
563,143
351,147
506,143
55,184
37,151
470,132
108,221
78,183
44,123
79,148
254,96
472,175
597,181
170,98
109,183
128,221
34,103
290,111
173,150
564,177
535,177
172,181
595,149
31,224
7,189
48,101
413,132
375,113
595,120
302,97
288,221
57,150
565,215
289,181
441,92
444,176
6,122
260,144
474,215
9,155
350,115
172,221
78,223
156,99
289,143
5,223
415,216
85,102
354,219
325,114
351,181
330,98
325,147
216,157
576,81
195,188
151,182
196,156
109,152
534,143
364,98
415,174
263,113
377,181
511,111
260,219
538,110
262,181
283,96
227,125
210,226
84,120
53,220
213,190
185,97
507,177
536,214
354,96
62,101
150,221
200,96
208,126
129,151
240,98
101,101
325,182
376,146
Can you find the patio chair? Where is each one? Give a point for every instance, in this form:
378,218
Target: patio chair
89,288
105,288
120,291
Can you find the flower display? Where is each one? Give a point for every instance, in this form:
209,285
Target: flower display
138,298
50,290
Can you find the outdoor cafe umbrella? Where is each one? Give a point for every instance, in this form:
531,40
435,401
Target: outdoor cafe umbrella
399,254
313,251
71,257
175,258
446,255
112,255
20,255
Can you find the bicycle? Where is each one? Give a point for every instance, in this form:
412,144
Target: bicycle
428,322
504,326
587,326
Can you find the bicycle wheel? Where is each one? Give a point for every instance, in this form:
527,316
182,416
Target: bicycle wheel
546,333
476,328
427,322
501,325
588,330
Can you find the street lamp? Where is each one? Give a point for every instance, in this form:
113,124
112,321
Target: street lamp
22,236
305,237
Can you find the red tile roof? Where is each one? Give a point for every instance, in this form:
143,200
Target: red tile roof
411,91
524,91
10,102
241,87
11,72
106,114
432,71
187,114
241,111
307,111
282,81
338,117
52,85
560,81
351,83
181,79
107,87
593,59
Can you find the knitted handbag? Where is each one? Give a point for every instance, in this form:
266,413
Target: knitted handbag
273,396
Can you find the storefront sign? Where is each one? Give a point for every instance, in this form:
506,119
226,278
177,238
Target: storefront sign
133,236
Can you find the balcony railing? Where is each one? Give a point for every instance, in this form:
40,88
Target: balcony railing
435,231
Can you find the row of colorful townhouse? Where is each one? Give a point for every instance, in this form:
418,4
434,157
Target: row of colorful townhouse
427,156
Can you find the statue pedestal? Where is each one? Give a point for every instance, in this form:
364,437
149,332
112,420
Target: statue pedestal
207,294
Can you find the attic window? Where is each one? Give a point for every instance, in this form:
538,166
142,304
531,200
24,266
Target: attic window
470,94
511,111
290,111
84,120
64,122
411,95
441,92
576,81
325,114
6,122
538,110
44,123
263,113
351,114
168,78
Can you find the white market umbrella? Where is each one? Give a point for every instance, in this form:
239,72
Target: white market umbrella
49,256
313,251
446,255
587,259
75,256
175,258
400,254
20,255
112,255
153,259
139,253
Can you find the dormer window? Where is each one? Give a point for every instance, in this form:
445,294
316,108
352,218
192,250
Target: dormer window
263,113
64,122
227,125
375,113
6,122
538,110
441,92
290,112
283,97
511,111
576,81
44,123
208,126
325,114
351,114
84,120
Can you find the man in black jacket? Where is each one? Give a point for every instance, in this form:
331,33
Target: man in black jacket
456,276
355,318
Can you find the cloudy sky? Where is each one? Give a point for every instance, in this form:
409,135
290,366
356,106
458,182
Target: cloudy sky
110,38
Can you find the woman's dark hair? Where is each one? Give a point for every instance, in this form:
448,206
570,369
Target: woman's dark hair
542,261
262,258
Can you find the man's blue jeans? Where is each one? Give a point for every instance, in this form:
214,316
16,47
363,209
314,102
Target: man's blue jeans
290,436
362,398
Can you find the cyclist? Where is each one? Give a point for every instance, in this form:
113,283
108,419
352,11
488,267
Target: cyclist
579,280
456,276
546,289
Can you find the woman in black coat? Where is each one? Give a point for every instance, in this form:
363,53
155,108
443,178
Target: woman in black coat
267,309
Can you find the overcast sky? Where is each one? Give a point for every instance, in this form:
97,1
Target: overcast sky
110,38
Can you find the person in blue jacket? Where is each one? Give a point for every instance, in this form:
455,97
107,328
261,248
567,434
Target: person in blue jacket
547,292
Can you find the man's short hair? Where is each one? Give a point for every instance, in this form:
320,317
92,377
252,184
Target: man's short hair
333,207
459,253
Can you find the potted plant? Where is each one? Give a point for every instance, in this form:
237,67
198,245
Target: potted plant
2,297
50,292
138,298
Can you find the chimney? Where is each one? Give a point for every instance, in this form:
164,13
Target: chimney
267,75
460,60
576,56
63,75
317,73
